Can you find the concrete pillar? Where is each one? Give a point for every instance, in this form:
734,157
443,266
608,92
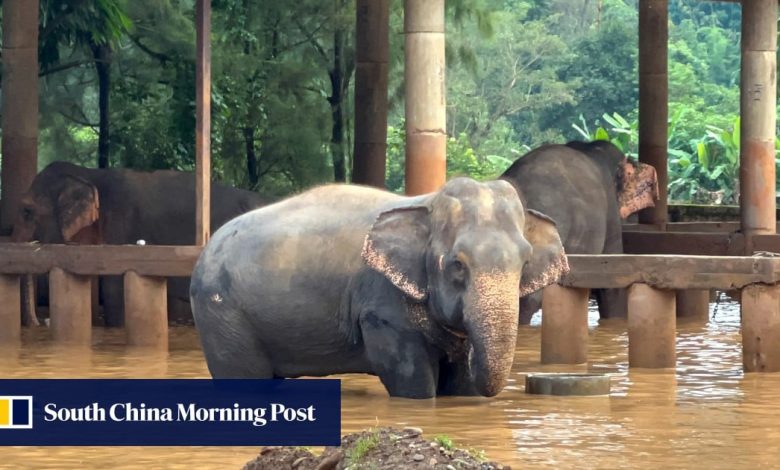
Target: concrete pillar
426,113
757,130
146,310
653,100
70,307
372,53
19,105
651,327
11,311
693,305
564,325
761,328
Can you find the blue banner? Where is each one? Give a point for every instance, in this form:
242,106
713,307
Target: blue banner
183,412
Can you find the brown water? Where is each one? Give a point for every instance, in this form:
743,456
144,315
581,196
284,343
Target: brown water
707,414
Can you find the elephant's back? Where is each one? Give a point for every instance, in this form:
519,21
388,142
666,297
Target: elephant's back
566,185
290,255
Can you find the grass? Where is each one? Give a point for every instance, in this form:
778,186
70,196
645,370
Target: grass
477,454
444,441
362,446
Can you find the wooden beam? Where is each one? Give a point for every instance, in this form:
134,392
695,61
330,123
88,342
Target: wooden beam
70,306
151,260
426,107
651,327
653,99
671,272
146,310
758,108
683,243
674,227
564,325
203,122
761,328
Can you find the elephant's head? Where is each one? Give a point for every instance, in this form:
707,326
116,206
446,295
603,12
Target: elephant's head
59,207
636,183
463,251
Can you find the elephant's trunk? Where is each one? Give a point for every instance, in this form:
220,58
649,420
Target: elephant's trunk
491,323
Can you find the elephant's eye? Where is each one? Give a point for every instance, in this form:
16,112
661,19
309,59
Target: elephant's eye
27,213
458,271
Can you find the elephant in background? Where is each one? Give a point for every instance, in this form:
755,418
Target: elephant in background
67,203
420,291
587,188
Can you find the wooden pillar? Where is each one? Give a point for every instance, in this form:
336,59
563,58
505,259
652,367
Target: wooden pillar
70,307
693,305
203,122
19,105
564,325
761,328
651,327
757,129
11,311
146,310
372,46
426,114
653,100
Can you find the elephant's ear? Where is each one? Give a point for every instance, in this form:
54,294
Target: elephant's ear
395,247
78,206
548,262
637,187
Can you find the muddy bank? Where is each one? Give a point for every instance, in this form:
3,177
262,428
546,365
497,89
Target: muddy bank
381,448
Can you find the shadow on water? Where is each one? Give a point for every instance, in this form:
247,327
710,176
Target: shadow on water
706,414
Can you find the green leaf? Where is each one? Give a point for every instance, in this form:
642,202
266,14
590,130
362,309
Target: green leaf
601,134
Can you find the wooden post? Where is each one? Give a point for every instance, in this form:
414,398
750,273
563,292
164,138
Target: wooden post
564,325
426,116
761,328
11,311
146,310
203,122
693,305
372,46
651,327
70,307
653,100
19,105
757,129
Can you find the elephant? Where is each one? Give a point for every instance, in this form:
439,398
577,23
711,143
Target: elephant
588,188
67,203
420,291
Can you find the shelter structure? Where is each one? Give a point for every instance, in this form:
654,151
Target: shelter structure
653,280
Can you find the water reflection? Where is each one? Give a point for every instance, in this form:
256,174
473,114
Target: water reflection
705,414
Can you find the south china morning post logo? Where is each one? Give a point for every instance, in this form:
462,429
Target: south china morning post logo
16,412
169,412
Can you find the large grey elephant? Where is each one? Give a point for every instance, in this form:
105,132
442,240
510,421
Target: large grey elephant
67,203
587,188
420,291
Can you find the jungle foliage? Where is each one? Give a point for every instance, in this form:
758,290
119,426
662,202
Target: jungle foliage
520,73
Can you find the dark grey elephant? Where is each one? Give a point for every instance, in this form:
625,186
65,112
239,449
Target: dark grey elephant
587,188
421,291
67,203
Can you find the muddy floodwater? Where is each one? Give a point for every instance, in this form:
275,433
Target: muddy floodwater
707,414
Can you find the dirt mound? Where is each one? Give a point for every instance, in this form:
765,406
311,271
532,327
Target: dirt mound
382,448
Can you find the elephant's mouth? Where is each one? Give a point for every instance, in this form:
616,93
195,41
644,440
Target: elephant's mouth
455,332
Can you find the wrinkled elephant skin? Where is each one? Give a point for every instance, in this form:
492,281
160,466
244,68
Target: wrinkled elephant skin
420,291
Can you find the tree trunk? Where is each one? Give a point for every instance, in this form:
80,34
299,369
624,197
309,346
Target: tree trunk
251,156
19,105
336,100
371,76
102,55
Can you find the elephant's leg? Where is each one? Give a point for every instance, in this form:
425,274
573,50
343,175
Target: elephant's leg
529,305
400,357
113,295
230,346
613,303
455,379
